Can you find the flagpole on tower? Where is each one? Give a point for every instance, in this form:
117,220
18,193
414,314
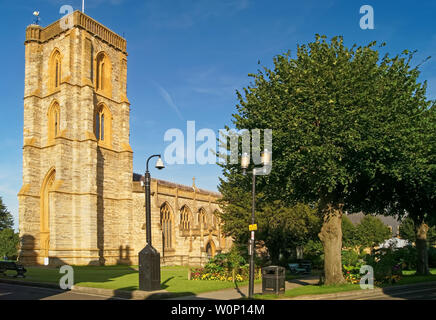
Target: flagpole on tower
83,6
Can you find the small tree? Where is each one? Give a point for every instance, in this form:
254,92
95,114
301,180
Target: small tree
285,228
6,219
349,237
9,242
407,232
371,231
280,227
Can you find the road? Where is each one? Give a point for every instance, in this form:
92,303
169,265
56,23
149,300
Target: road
414,292
18,292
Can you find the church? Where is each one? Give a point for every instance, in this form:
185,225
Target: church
80,202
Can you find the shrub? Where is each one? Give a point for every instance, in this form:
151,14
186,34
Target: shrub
432,257
407,256
229,266
387,268
314,252
352,273
350,257
225,262
239,275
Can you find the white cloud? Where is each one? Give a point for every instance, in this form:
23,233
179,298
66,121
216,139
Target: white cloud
168,99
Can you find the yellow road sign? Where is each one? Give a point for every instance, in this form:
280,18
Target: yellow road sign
252,227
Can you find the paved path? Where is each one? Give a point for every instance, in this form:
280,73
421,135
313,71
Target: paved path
422,291
241,292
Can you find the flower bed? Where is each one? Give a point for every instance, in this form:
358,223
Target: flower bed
240,275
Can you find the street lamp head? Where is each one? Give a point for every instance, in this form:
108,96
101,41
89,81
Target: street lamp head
159,164
245,162
266,158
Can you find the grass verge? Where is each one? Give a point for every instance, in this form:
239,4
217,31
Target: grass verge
174,279
409,277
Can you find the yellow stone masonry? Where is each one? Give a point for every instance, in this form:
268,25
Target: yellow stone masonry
79,204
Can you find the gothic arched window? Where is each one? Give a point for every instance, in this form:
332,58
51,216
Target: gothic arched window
215,219
103,74
54,119
55,70
166,221
202,218
185,218
103,125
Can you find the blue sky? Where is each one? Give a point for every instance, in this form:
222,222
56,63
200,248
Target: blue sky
187,58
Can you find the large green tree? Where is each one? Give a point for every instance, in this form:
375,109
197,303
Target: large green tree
406,185
6,219
332,110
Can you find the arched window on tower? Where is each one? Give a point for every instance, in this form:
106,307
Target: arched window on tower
55,70
54,120
166,221
103,125
103,74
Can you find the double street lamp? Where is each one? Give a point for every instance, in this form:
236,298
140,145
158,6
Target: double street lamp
245,162
149,257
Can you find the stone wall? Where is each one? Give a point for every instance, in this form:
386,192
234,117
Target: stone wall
78,203
189,246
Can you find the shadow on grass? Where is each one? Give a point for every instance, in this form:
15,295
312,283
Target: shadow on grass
164,285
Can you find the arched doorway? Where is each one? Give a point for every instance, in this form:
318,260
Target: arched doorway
210,250
46,188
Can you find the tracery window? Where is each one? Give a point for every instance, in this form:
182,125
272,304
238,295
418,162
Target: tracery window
185,218
202,221
166,221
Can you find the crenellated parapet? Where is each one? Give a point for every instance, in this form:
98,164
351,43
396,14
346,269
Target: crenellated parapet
36,33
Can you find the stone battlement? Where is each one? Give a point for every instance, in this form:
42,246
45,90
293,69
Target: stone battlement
36,33
161,187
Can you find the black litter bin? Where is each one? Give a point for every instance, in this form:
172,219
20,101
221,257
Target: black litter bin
273,280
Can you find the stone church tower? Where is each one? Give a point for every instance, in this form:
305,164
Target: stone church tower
80,203
76,199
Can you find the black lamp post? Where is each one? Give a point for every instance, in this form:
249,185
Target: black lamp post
149,257
245,161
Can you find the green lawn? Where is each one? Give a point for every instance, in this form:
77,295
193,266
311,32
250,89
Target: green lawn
174,279
409,277
310,290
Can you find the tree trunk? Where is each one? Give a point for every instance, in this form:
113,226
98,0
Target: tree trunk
421,248
274,254
331,238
